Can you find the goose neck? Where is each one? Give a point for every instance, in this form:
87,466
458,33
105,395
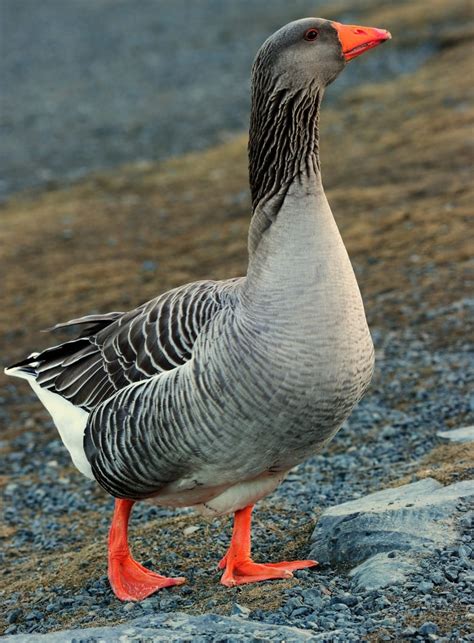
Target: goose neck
283,140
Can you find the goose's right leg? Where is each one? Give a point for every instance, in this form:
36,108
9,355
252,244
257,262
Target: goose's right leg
238,564
130,581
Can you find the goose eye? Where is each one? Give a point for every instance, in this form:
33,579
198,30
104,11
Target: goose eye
311,34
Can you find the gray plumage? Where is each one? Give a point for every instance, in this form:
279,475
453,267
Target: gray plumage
219,384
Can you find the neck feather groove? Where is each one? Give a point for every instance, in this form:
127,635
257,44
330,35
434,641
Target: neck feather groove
283,140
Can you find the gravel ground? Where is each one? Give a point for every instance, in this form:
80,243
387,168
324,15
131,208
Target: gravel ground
323,600
88,84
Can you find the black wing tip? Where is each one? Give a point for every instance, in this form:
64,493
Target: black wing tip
25,363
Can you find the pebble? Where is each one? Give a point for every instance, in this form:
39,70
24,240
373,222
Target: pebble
462,435
240,610
428,628
437,577
425,587
452,573
12,616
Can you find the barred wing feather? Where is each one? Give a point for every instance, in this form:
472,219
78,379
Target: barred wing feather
117,349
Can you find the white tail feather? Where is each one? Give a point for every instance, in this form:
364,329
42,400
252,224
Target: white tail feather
70,420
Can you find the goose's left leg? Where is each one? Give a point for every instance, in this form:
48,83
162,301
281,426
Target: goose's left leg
238,565
130,581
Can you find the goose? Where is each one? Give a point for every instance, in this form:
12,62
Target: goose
208,395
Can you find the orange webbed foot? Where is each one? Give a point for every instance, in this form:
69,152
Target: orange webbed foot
239,566
247,571
131,581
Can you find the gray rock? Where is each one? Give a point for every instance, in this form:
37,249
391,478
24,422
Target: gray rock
437,577
388,531
428,628
465,434
425,587
414,517
12,617
240,610
381,570
176,627
409,632
452,573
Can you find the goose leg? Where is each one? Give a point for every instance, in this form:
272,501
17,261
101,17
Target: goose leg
238,565
130,581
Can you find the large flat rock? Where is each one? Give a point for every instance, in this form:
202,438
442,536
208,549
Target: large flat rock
384,533
174,627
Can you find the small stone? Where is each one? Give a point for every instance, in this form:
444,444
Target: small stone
425,587
437,577
382,602
12,616
452,574
465,434
464,552
428,628
128,607
240,610
187,531
340,607
348,600
300,611
408,632
293,604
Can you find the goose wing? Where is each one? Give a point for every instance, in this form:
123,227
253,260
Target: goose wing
117,349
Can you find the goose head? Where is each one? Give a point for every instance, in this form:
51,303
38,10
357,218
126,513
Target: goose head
312,52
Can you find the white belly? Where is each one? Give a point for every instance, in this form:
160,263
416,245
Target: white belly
240,495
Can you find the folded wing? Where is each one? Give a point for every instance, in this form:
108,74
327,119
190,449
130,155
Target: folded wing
117,349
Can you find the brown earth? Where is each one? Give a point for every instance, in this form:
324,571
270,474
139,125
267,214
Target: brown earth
447,463
396,159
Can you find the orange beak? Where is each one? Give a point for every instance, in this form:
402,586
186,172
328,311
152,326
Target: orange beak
355,40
